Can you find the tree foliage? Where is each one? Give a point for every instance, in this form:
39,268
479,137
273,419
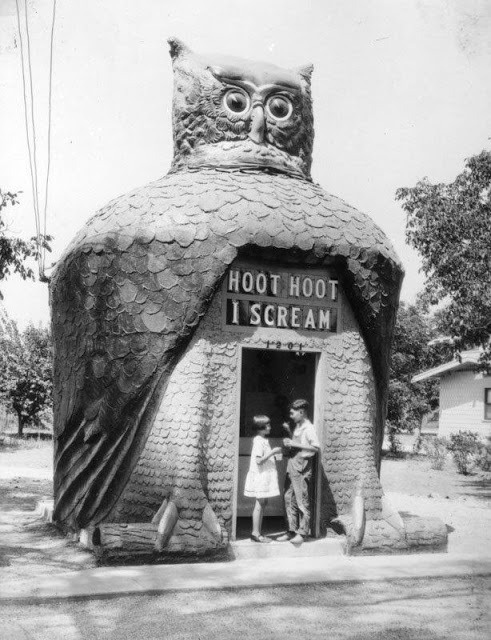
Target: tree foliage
15,252
10,354
26,373
411,354
450,227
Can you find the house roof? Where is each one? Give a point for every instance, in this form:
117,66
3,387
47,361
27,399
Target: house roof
467,360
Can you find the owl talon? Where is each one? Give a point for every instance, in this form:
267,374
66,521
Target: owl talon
166,524
158,516
211,524
170,522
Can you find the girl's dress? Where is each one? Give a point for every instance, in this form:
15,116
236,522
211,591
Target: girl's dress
262,479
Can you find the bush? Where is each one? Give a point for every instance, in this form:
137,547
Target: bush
394,441
436,449
466,448
484,457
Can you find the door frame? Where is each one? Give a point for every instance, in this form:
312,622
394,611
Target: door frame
317,413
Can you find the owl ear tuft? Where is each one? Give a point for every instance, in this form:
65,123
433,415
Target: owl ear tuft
215,70
306,72
177,48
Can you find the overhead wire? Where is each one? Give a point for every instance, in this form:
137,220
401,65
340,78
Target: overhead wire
33,122
28,91
48,164
26,117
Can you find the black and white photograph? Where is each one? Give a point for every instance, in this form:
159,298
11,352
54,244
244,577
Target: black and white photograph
245,320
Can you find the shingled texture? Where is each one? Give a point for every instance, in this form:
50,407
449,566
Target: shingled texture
197,421
127,297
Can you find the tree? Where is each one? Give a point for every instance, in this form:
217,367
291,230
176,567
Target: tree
26,376
450,227
408,403
15,252
25,360
10,353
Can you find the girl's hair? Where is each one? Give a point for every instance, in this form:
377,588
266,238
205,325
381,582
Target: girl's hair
259,422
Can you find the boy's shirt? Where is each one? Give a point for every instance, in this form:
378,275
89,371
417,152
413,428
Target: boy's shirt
306,436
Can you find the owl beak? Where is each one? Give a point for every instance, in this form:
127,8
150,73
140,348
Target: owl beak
256,134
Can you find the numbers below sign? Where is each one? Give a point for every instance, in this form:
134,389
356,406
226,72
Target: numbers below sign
291,346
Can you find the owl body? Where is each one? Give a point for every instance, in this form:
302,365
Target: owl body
135,411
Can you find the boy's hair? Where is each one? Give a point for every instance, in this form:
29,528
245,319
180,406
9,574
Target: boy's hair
259,422
300,404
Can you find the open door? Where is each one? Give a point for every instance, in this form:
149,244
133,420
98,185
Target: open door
270,381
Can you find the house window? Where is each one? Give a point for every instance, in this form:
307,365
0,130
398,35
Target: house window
487,404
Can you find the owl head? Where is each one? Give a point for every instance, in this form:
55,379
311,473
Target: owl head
229,112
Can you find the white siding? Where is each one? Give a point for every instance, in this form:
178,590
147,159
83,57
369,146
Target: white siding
462,403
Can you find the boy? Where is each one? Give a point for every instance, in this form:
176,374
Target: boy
302,445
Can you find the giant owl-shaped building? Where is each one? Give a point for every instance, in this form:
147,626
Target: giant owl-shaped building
228,287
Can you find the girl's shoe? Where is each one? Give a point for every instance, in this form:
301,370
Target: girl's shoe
260,539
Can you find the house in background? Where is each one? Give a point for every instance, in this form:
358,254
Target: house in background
465,395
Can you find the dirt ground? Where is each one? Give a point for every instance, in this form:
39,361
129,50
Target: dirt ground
426,609
28,546
32,548
414,476
462,502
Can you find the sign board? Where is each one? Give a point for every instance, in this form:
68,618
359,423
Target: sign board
255,295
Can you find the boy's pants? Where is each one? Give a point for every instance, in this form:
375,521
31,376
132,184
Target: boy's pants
297,497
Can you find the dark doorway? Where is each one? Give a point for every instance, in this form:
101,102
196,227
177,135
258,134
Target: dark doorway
270,381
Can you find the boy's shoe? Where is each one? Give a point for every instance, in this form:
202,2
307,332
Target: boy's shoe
285,537
298,539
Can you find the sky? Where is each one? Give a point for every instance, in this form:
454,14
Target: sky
401,91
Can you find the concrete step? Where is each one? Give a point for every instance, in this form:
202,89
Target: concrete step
247,549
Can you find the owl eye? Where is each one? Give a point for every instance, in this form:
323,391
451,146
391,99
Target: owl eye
279,107
236,101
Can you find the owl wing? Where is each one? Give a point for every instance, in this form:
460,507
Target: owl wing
125,302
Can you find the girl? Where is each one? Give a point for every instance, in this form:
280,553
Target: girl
262,478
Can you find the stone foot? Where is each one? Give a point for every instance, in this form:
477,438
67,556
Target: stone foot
187,525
